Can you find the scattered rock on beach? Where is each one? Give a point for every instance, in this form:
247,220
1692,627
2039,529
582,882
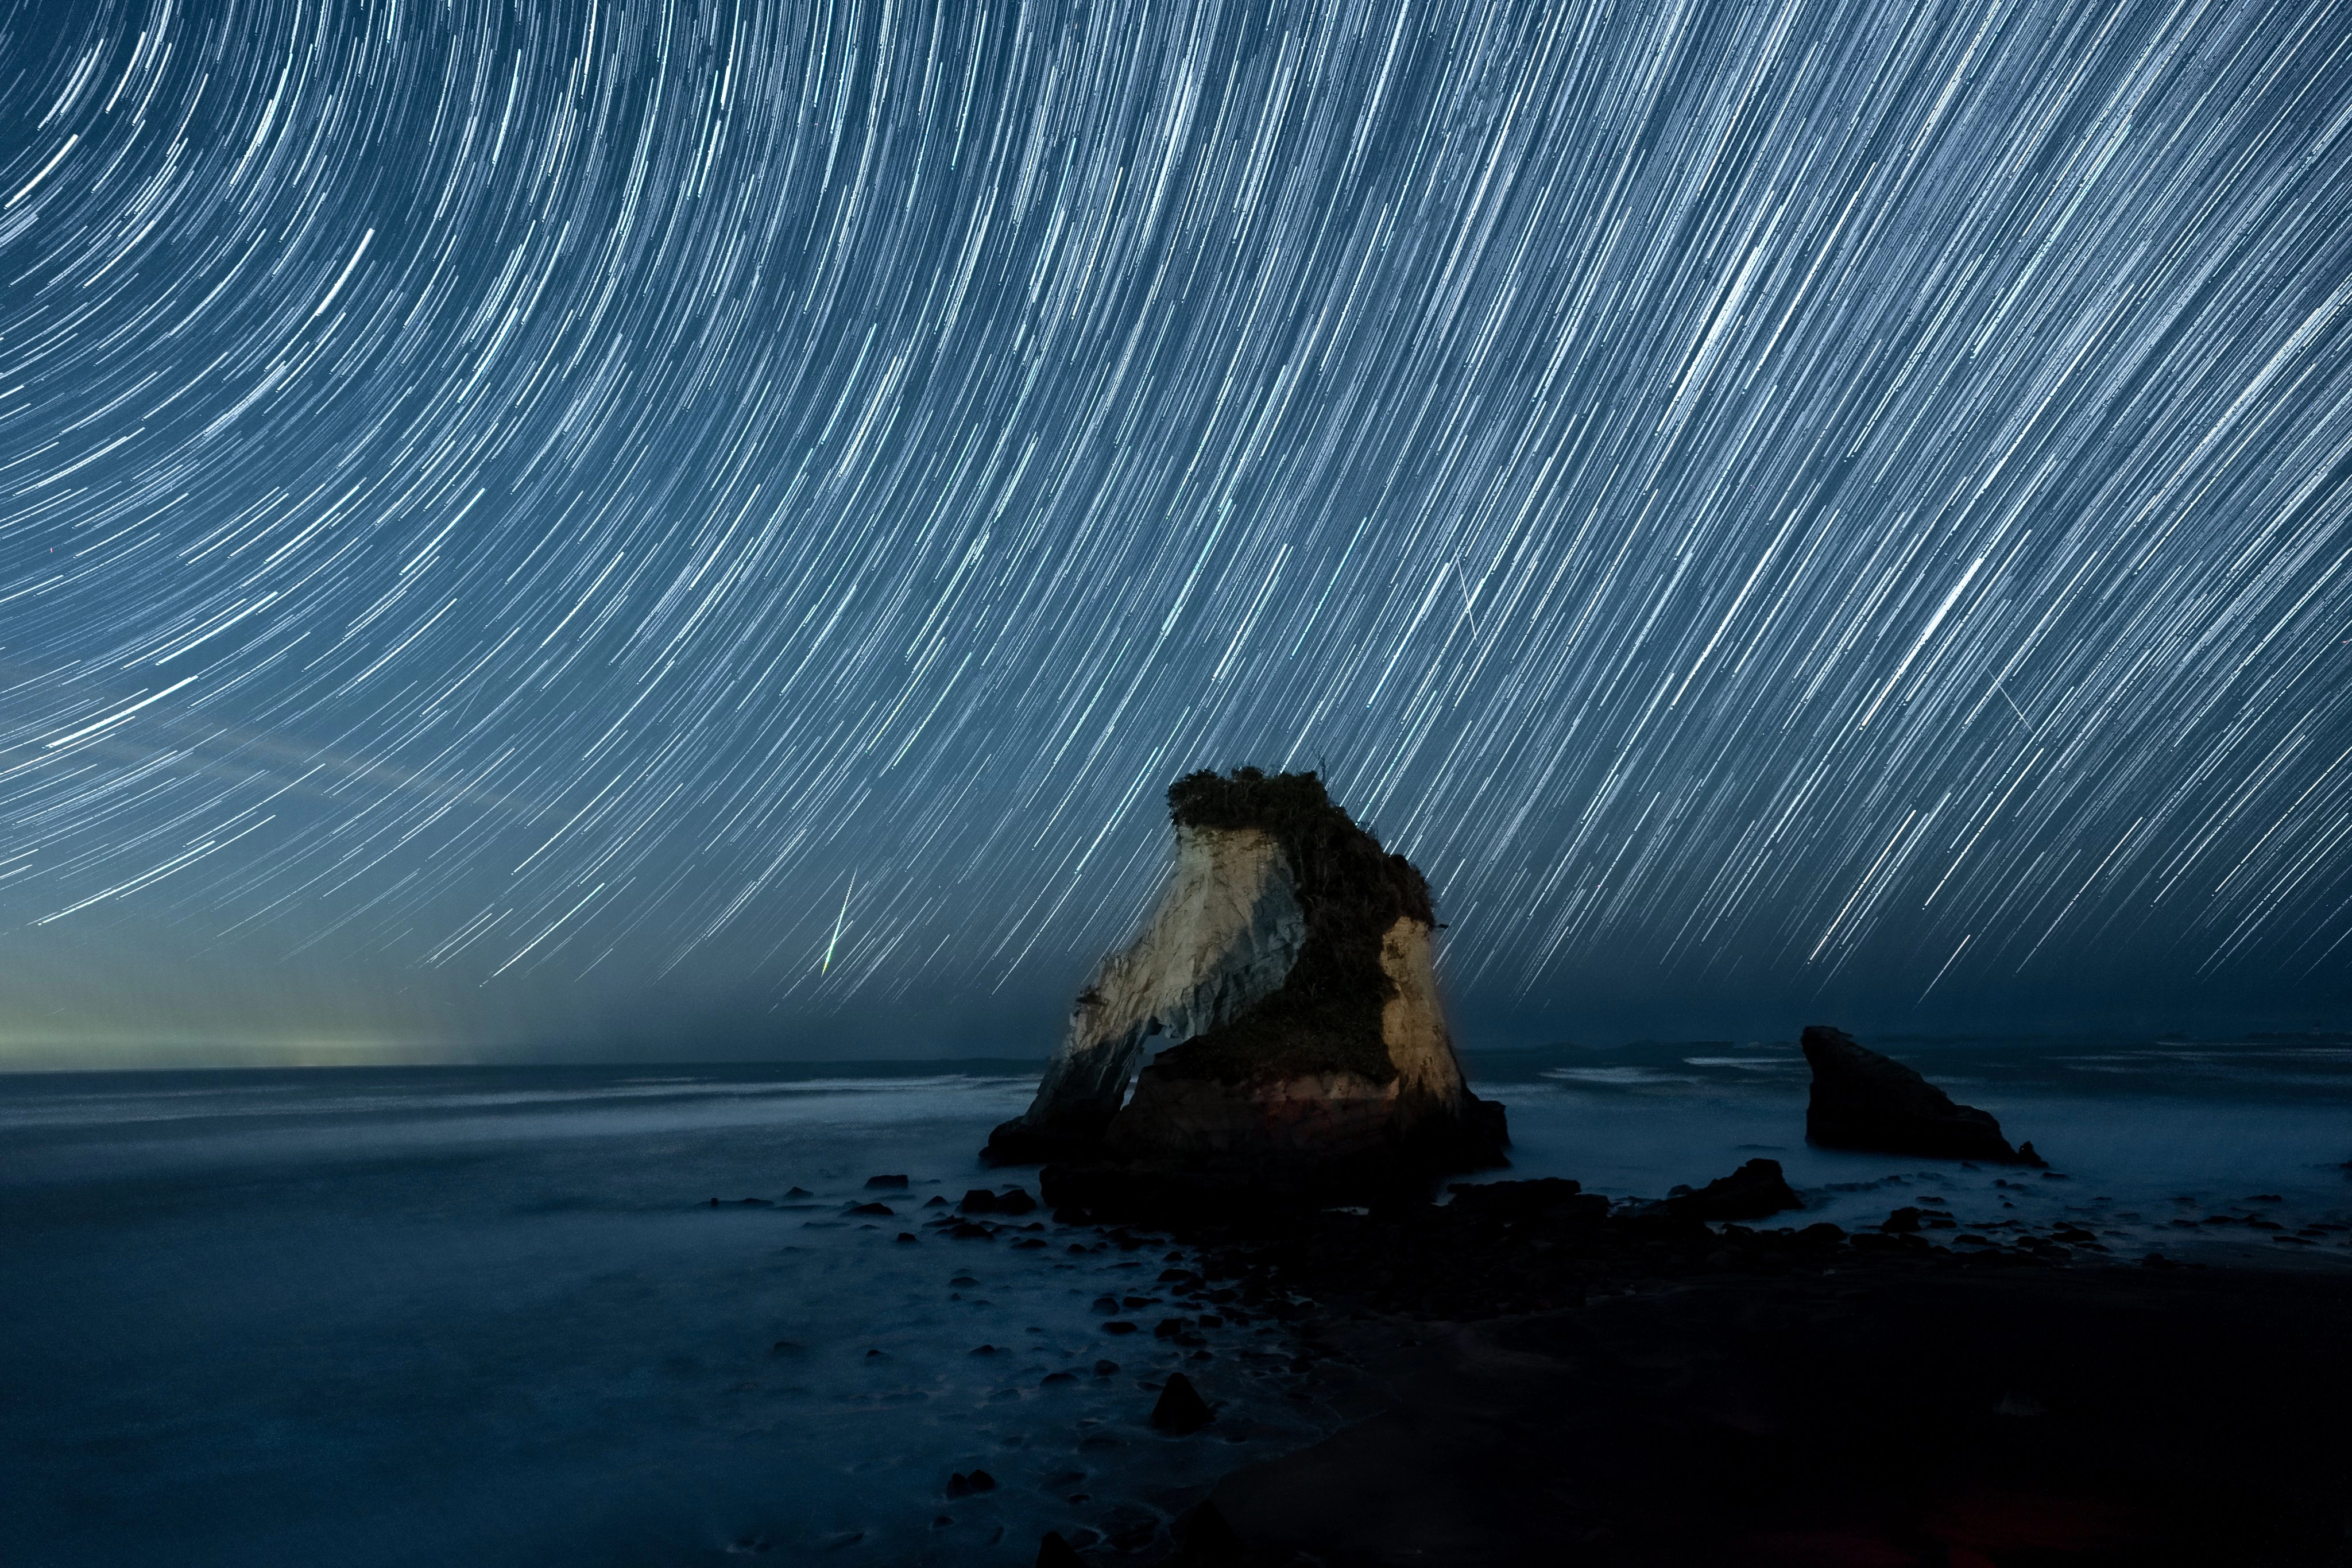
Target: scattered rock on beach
1181,1408
1754,1191
1862,1100
1055,1553
1205,1539
886,1181
1553,1197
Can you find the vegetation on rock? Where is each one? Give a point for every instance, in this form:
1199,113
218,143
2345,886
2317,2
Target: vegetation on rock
1326,1018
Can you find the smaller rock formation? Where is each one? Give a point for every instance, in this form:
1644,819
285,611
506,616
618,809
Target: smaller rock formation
1755,1191
1863,1101
1181,1408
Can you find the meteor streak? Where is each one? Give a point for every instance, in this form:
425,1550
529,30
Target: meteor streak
826,967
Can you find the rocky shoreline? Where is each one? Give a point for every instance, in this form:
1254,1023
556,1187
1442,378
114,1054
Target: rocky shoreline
1565,1379
1554,1378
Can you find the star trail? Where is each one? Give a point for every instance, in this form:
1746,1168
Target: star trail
518,519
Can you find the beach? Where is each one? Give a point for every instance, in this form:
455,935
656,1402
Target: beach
1878,1414
491,1314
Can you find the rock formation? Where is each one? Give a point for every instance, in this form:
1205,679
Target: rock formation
1863,1101
1181,1408
1283,990
1755,1191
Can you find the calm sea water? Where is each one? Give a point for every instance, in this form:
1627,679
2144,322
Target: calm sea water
488,1315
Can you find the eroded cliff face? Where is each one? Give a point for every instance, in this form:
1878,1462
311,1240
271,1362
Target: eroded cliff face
1413,1022
1298,1111
1284,992
1224,934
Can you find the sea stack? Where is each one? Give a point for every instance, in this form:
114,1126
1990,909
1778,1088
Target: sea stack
1282,990
1863,1101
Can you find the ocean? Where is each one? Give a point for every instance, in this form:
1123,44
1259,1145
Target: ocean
491,1316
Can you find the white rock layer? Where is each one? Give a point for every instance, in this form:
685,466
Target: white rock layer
1224,934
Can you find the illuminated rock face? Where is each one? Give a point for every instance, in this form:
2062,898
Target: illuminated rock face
1284,991
1308,1113
1225,934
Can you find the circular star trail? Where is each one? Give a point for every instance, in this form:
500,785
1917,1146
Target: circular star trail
532,519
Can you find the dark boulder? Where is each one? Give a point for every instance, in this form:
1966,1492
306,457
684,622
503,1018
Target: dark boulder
1754,1191
886,1181
1181,1408
1863,1101
1551,1198
1205,1539
1055,1553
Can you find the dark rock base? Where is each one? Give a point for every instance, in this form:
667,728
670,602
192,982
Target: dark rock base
1088,1188
1015,1143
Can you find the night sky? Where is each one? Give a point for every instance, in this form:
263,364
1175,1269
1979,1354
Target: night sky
518,521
